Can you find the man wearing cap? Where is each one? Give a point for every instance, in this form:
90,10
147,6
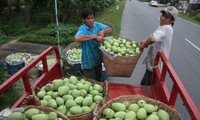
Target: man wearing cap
160,40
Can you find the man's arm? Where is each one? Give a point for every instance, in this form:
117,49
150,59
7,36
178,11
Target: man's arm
148,41
103,32
88,37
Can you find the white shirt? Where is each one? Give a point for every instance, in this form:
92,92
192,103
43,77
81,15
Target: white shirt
163,36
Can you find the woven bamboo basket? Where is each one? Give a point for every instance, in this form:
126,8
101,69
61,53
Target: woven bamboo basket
48,110
75,68
120,66
174,115
89,115
30,100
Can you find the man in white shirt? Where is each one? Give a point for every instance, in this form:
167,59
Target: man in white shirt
160,40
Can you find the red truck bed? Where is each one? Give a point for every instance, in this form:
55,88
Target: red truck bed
158,90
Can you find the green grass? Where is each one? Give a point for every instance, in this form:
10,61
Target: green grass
112,16
13,92
191,19
9,98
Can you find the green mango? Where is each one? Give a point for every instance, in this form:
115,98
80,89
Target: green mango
76,110
87,101
86,109
152,117
117,106
79,85
41,94
52,103
79,100
75,93
47,97
67,97
44,103
52,116
141,103
141,113
126,103
50,93
49,87
57,83
93,106
97,98
60,101
72,86
133,107
150,108
70,103
30,112
39,117
16,116
62,109
63,90
120,114
130,115
94,92
73,80
163,115
108,113
98,87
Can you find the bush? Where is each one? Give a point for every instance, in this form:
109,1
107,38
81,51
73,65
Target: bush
197,17
48,35
3,37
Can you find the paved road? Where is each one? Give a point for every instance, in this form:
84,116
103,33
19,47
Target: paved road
139,20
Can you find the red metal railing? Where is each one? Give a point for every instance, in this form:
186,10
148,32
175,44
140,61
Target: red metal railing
160,89
44,78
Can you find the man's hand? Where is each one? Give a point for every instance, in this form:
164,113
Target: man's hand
142,44
148,41
101,33
99,39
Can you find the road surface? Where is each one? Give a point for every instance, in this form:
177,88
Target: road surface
138,21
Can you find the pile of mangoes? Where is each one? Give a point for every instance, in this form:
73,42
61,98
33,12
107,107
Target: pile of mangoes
33,114
134,111
71,96
121,47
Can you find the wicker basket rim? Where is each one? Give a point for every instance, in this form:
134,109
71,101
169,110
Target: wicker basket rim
160,104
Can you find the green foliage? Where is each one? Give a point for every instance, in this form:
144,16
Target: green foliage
2,77
6,100
98,5
112,17
35,18
48,35
189,18
3,37
197,17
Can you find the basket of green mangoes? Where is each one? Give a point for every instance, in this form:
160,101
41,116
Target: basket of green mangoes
135,107
35,113
118,53
73,56
74,97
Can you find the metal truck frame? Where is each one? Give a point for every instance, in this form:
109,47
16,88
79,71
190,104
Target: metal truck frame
158,90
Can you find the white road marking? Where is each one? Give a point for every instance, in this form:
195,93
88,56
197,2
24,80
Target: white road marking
192,44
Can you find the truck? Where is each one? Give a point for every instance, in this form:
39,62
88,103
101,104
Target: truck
158,90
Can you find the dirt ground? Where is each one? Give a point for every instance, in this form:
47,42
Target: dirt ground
16,46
